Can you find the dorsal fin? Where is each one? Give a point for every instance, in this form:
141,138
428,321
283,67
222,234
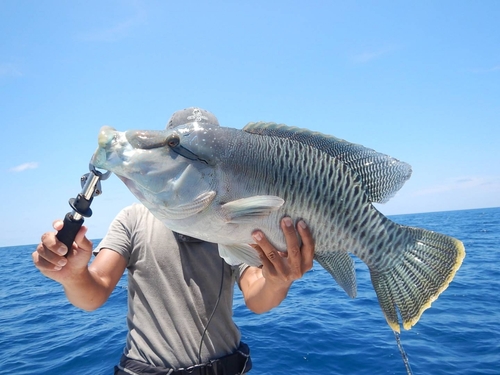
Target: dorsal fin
382,175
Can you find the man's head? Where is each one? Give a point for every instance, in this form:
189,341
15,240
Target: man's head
192,114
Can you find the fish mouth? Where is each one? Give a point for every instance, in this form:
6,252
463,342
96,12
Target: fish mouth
112,149
107,136
116,153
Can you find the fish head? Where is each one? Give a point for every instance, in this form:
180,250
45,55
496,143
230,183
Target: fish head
165,169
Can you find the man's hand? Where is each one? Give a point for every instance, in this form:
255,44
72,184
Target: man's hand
49,255
279,267
265,288
86,287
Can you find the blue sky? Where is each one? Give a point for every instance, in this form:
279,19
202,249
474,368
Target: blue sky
419,81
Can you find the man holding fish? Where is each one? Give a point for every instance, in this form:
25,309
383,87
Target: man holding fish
180,290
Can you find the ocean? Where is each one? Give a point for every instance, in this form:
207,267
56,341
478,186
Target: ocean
316,330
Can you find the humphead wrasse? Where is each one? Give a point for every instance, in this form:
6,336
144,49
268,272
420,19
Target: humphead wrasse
219,184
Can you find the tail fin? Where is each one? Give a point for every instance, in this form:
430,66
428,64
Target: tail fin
427,267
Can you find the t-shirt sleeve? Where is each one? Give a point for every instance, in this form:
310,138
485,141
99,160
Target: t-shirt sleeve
118,237
238,271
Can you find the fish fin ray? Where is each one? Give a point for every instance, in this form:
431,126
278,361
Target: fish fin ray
235,254
341,266
248,209
183,211
381,175
427,267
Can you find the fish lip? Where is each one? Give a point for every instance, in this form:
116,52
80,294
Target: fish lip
107,159
96,158
113,149
117,160
107,135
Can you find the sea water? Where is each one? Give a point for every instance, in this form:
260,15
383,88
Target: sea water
318,329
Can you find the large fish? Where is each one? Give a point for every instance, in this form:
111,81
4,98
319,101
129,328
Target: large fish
219,184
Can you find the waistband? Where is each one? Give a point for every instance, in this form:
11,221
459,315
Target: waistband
236,363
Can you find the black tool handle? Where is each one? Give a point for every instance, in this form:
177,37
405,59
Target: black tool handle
68,233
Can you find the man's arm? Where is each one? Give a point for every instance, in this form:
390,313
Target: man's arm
264,288
86,287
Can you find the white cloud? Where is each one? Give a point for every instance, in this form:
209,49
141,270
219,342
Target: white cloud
370,55
495,68
9,70
25,166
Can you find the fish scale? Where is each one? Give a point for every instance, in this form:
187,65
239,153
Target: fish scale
309,162
383,185
349,204
306,164
219,184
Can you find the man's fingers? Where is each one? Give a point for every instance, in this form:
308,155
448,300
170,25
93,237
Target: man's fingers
82,241
50,243
307,251
300,251
44,265
262,256
292,241
271,257
46,259
58,224
292,246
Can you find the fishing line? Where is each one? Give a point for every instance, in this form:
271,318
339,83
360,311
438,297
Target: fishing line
213,311
403,353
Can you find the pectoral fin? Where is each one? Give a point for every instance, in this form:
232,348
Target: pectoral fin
248,209
235,254
341,266
188,209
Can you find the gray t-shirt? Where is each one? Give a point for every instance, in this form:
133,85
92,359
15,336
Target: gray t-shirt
173,286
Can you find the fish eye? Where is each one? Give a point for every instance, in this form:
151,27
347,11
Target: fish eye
173,140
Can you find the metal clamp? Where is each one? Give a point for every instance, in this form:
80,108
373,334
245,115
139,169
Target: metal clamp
91,187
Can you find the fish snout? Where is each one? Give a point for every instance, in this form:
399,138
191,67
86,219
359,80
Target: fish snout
106,136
